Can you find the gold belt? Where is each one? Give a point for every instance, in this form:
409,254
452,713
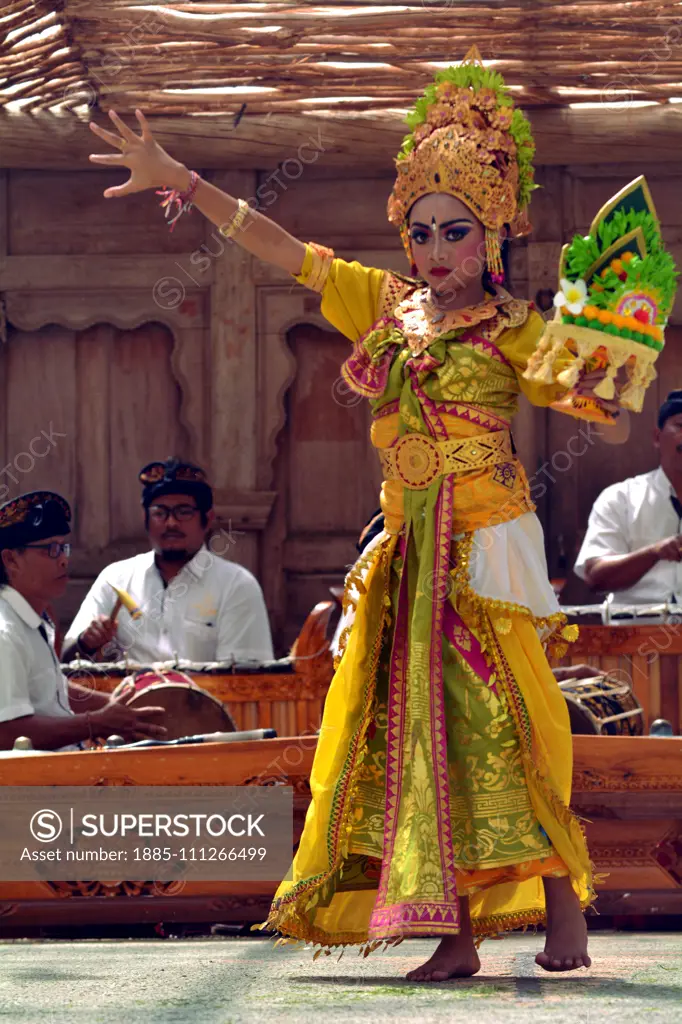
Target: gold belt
418,460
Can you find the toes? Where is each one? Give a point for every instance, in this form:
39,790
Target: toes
571,963
439,976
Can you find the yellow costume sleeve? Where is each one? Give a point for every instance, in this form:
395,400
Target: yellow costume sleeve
350,292
517,345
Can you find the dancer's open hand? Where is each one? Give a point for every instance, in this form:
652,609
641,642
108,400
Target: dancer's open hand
149,164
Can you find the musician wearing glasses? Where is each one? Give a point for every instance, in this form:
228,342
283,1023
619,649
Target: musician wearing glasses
195,605
36,699
633,544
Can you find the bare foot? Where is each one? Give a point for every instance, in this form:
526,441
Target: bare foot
566,942
456,957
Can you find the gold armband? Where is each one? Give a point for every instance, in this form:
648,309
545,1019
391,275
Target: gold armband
233,225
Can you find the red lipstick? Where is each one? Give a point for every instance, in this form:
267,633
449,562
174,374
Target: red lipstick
440,271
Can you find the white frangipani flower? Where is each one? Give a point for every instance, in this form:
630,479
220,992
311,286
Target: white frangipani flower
573,296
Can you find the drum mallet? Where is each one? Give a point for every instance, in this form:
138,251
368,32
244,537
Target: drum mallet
124,599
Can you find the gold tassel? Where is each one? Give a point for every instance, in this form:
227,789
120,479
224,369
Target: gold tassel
493,255
537,357
569,376
606,388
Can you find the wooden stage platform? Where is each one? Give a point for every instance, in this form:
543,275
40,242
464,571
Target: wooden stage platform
628,789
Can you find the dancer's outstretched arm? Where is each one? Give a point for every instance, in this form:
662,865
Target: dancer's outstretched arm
151,166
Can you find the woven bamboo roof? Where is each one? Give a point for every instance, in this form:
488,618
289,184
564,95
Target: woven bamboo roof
354,57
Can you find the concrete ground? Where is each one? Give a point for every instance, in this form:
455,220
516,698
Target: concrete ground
230,981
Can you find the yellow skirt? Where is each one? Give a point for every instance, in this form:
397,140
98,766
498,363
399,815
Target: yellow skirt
509,764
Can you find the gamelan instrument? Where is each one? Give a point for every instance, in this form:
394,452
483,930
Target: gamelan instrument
245,736
610,611
188,709
602,706
286,695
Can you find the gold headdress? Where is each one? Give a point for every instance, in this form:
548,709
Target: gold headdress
468,141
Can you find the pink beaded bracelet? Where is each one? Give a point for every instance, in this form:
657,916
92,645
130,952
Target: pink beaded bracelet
183,200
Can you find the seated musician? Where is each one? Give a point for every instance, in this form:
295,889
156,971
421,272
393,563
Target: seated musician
36,699
633,544
195,605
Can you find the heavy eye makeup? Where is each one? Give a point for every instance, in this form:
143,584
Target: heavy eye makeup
420,233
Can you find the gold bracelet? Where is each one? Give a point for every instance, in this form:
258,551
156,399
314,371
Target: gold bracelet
233,225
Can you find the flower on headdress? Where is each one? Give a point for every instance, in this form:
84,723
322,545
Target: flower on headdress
483,155
502,118
495,212
460,111
573,296
485,99
492,139
446,90
421,132
439,115
506,144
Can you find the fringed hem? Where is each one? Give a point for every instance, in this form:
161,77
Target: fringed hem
325,946
297,932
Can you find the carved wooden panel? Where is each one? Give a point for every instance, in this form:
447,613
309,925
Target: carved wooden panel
65,212
636,848
82,411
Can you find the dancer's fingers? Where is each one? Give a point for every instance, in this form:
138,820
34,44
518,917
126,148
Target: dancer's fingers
113,159
144,125
127,133
110,137
126,189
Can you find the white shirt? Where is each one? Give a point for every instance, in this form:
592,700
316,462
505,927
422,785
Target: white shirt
31,679
626,517
213,610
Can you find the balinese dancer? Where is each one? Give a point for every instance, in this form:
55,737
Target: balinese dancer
441,782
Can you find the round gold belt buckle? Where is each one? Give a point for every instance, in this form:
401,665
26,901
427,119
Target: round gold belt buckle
418,461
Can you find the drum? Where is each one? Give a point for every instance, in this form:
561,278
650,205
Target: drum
602,706
188,710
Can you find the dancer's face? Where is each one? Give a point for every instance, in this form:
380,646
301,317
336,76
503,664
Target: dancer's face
448,243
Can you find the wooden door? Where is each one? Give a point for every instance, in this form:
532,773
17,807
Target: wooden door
80,413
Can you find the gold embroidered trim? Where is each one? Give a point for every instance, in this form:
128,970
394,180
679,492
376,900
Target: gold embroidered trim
515,312
486,615
319,271
394,288
423,322
499,611
417,460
